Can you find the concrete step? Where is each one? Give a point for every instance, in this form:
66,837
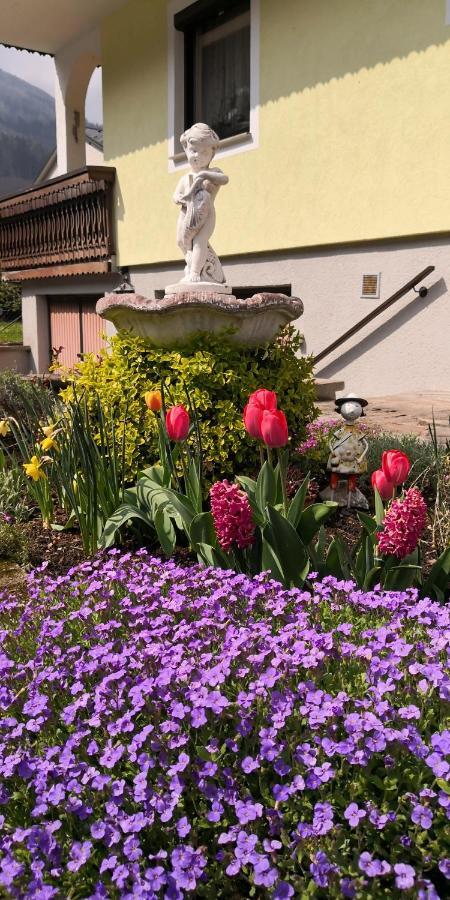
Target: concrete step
326,388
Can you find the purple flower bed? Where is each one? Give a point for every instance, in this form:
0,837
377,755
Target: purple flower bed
168,732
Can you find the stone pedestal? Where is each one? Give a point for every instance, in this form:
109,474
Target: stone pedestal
178,317
352,500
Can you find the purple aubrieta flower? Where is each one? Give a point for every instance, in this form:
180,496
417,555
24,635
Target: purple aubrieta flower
444,867
322,868
354,814
183,827
283,890
79,854
248,811
373,867
211,710
249,765
404,876
422,815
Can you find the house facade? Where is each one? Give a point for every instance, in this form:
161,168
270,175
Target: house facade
335,134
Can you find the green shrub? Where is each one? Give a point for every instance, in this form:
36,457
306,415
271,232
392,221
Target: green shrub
12,543
219,379
10,301
23,398
13,494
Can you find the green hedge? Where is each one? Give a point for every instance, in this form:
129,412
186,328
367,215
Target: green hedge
219,379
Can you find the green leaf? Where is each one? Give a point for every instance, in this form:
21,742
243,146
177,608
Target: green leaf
379,508
130,496
298,502
438,581
266,487
151,496
213,556
165,531
338,562
146,488
182,506
202,531
193,487
155,473
249,484
115,522
398,578
321,543
372,577
289,553
269,560
368,523
312,518
444,785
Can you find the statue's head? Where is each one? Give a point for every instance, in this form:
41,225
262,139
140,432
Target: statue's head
200,143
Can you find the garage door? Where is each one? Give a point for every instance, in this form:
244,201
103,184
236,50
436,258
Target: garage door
75,328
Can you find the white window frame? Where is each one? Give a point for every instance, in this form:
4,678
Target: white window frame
237,143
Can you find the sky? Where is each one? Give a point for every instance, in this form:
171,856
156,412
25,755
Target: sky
39,70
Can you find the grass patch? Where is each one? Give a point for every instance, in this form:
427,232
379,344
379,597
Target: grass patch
10,332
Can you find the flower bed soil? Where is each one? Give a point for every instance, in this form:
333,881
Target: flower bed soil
63,549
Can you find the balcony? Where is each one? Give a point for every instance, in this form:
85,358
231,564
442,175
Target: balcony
61,227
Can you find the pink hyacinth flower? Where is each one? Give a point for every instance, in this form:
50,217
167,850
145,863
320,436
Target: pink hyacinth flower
403,524
232,515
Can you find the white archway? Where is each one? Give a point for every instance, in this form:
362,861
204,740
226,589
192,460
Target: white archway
74,66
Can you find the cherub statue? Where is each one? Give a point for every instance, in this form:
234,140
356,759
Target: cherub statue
348,451
195,194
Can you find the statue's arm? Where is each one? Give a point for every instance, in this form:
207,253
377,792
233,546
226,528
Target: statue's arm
365,450
179,195
214,175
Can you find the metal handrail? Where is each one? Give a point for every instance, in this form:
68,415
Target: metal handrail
375,312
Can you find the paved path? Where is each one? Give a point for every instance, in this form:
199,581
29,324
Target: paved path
406,413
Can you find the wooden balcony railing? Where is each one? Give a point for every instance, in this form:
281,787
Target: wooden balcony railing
60,227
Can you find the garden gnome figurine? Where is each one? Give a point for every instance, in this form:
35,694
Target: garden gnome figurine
195,195
347,459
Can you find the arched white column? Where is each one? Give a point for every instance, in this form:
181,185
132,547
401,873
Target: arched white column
74,65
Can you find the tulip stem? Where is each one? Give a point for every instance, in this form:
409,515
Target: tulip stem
261,454
269,455
282,461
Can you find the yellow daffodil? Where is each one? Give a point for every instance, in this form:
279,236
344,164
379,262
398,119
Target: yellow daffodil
48,430
48,443
4,427
33,469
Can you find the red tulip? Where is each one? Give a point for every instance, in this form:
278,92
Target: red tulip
384,487
252,420
264,399
177,423
395,465
274,430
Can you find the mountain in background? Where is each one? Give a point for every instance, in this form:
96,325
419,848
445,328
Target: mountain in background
27,132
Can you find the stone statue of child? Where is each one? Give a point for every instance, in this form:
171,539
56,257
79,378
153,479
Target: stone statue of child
195,194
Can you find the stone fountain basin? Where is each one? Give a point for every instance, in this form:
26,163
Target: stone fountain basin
176,318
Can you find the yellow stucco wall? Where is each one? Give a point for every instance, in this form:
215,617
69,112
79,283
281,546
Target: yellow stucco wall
354,124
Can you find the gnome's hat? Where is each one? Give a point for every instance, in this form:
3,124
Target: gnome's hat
340,400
